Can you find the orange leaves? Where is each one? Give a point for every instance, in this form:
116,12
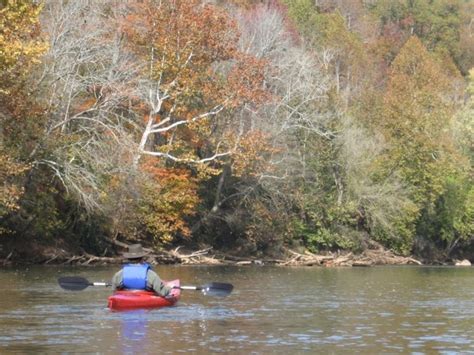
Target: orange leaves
86,104
161,173
191,58
173,31
169,197
246,81
191,48
194,72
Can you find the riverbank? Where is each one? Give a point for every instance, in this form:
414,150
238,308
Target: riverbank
61,255
48,255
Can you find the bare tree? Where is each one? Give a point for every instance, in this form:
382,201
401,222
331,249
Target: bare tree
296,116
381,203
299,85
88,81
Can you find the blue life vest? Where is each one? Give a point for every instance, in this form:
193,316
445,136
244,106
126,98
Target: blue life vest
134,276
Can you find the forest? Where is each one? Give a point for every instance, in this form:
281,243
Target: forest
250,127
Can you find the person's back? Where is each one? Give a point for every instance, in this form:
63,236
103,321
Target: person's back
137,275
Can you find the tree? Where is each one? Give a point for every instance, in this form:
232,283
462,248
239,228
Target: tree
74,131
193,73
20,49
436,23
466,40
193,79
464,125
104,79
10,189
416,123
451,220
295,127
169,198
90,80
20,42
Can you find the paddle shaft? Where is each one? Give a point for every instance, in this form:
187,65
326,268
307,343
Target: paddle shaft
213,288
194,288
197,288
100,284
74,283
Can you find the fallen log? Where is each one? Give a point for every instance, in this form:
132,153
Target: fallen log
370,257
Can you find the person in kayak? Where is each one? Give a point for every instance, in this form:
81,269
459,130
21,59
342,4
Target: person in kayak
137,274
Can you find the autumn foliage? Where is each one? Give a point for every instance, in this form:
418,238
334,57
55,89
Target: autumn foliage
20,49
170,197
20,44
196,74
246,125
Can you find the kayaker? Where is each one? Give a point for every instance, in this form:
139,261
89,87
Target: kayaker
137,274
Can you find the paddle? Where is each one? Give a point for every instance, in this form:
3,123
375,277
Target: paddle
76,283
214,289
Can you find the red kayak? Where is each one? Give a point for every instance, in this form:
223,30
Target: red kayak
132,299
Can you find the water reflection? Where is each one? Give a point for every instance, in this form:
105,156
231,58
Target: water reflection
134,331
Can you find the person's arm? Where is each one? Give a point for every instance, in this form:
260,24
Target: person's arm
154,282
117,280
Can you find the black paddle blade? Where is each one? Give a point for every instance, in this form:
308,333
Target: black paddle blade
73,283
217,289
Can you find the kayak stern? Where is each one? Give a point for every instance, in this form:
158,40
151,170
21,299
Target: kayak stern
133,299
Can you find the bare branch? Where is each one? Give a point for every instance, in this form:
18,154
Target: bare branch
213,112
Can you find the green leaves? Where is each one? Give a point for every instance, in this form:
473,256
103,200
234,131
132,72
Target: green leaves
417,119
437,23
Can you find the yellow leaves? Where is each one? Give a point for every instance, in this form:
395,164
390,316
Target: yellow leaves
20,46
10,190
414,65
416,88
206,171
252,155
18,32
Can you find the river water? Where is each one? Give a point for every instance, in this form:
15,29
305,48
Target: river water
417,310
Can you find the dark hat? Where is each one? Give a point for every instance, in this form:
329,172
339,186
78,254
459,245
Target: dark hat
135,251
